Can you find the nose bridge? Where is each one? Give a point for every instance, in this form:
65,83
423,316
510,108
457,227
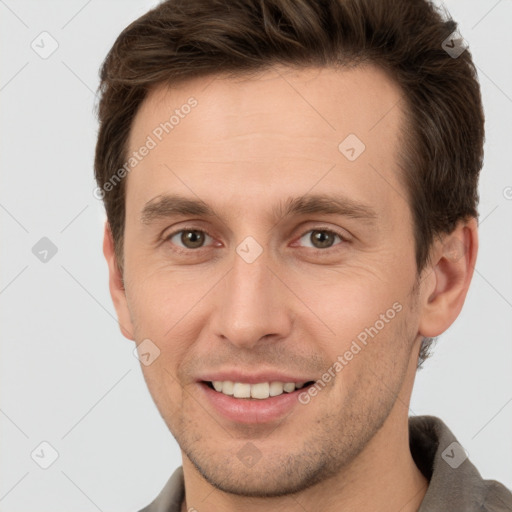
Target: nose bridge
251,304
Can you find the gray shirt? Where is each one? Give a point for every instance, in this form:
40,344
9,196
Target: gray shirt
454,483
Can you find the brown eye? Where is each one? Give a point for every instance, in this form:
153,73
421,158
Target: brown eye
192,239
321,238
188,238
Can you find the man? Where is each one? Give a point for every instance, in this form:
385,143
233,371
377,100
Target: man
291,193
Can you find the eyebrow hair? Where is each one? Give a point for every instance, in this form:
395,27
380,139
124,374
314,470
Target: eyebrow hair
169,205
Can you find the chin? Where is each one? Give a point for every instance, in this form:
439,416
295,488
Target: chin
285,475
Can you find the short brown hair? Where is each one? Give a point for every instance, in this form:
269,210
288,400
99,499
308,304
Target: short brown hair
184,39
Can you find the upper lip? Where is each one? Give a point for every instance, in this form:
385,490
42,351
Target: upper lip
253,378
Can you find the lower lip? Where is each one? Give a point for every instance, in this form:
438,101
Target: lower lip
250,411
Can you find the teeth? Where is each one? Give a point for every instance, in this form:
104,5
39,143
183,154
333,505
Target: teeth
260,391
289,387
241,390
226,387
276,388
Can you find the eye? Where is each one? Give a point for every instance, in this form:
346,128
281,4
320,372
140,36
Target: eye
189,238
321,238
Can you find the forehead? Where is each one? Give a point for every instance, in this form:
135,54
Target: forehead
281,133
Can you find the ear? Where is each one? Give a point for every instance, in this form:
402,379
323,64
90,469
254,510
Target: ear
116,285
449,276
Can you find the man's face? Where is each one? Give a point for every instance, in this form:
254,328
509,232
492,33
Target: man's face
252,295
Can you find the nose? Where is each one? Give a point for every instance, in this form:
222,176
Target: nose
252,303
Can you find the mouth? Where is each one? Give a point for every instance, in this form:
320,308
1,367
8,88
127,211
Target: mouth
242,398
256,391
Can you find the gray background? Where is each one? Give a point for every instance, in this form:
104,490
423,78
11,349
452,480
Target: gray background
68,377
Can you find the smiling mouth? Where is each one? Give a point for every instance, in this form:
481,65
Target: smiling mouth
258,391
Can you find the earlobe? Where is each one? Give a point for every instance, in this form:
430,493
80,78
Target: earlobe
116,285
453,263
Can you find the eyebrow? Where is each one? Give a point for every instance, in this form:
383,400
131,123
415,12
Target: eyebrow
171,205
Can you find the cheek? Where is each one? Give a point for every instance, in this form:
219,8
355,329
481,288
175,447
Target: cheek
349,302
164,388
374,361
368,323
160,299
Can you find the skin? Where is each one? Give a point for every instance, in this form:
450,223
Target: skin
248,144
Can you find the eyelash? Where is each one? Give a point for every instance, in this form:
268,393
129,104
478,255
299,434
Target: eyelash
182,250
